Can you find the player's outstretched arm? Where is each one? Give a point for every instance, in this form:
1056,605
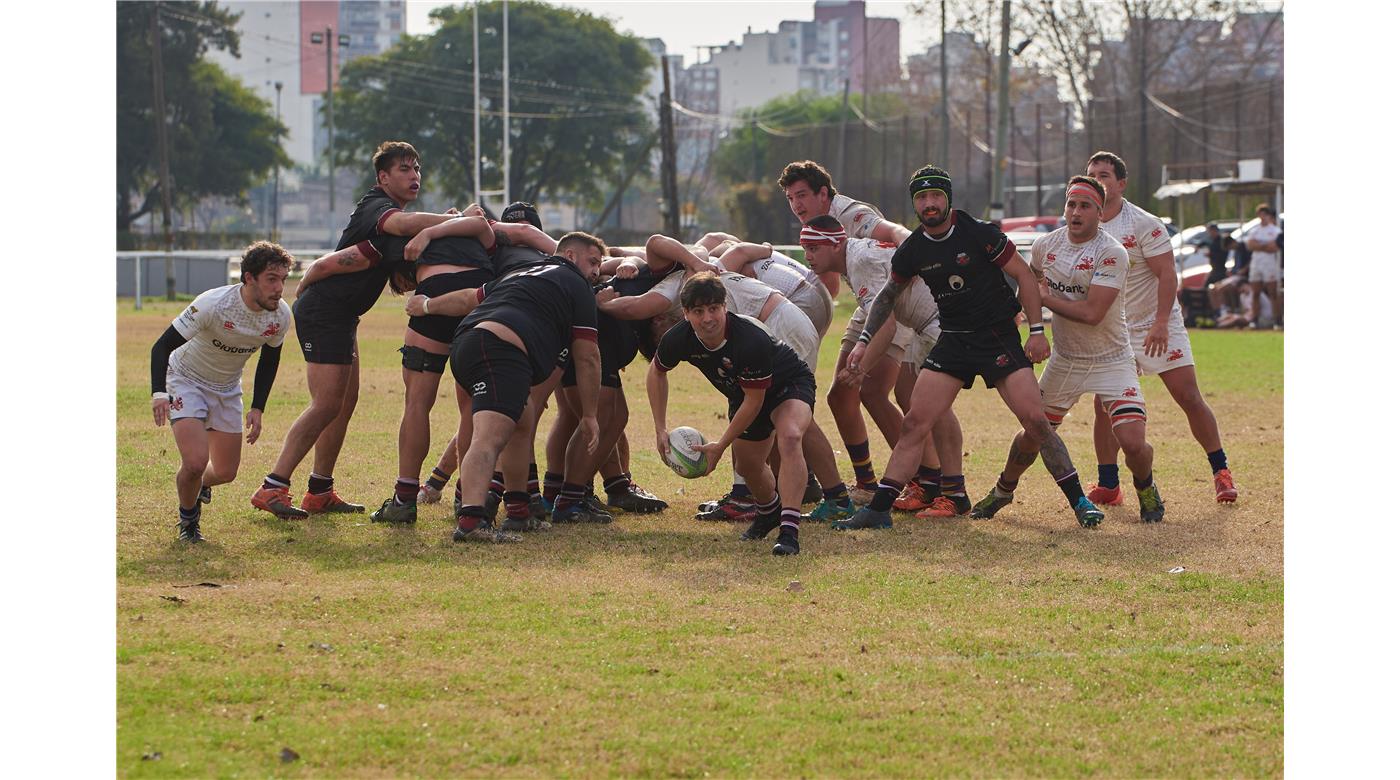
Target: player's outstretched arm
636,307
458,303
342,261
740,256
409,223
168,342
658,394
525,234
664,249
882,308
469,227
269,358
621,267
1089,311
588,368
891,232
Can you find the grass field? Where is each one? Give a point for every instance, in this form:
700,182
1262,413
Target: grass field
659,645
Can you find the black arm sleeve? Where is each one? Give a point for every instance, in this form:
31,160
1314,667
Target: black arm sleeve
268,360
168,342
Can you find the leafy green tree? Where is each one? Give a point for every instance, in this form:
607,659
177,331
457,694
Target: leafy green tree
222,137
576,115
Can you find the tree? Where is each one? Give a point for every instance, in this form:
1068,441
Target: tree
575,83
223,138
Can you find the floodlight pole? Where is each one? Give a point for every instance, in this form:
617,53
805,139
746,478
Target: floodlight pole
476,111
505,100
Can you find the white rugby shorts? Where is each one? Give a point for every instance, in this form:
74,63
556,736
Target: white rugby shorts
1178,352
898,348
1114,385
220,411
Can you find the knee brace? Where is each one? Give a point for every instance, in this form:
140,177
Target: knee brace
419,359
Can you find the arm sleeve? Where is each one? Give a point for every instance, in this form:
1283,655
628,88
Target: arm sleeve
168,342
268,360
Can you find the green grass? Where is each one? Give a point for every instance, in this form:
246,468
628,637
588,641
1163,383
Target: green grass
663,646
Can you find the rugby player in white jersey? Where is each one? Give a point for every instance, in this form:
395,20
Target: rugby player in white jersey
197,375
1081,271
1156,331
909,335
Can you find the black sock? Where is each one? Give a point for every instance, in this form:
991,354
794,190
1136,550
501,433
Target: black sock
617,484
318,484
885,495
532,483
770,507
1069,485
438,480
838,493
954,485
1142,483
498,485
517,503
791,519
275,481
1108,475
930,479
570,495
405,491
1217,460
189,515
551,485
469,517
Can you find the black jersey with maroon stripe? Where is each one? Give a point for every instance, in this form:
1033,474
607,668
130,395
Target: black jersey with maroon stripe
509,256
749,357
963,271
367,221
355,293
548,304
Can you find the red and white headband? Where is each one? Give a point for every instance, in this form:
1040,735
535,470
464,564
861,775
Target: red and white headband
1080,188
811,235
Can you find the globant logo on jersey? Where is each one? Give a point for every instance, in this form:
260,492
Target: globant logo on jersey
233,350
1065,288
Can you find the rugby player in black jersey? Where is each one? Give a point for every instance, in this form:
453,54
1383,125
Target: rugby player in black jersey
326,317
771,392
962,261
509,341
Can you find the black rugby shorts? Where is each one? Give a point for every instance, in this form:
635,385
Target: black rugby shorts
993,353
324,336
494,373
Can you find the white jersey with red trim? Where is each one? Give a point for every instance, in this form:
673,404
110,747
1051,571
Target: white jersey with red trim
784,274
867,272
859,219
1070,269
744,295
221,333
1144,236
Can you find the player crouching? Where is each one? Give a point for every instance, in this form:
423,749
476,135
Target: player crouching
197,375
771,393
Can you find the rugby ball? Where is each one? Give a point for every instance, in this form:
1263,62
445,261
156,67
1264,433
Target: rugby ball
682,456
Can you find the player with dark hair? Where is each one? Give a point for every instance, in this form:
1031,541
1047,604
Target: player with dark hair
965,262
906,338
770,390
327,315
197,375
1156,331
513,331
1081,270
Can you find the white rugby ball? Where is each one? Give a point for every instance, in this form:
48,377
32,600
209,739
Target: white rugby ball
682,456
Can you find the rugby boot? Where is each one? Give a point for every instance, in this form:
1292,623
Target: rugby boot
865,518
829,511
989,506
787,542
727,509
861,496
485,531
1086,513
946,506
594,503
493,504
538,509
1225,492
913,498
329,503
579,513
205,494
762,526
1103,496
427,494
813,493
189,531
390,512
1151,507
278,501
635,499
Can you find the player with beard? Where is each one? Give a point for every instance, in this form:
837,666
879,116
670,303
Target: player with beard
1158,334
197,375
965,262
770,391
327,316
1081,271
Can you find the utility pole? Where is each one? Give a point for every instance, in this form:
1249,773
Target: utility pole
943,122
277,172
841,138
505,101
668,154
476,107
329,38
158,78
1003,108
1144,163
